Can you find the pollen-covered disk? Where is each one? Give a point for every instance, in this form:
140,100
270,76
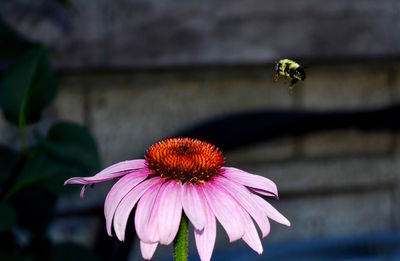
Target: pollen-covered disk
185,159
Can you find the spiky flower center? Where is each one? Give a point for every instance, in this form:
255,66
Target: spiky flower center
185,159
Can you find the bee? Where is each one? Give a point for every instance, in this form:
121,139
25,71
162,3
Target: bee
290,70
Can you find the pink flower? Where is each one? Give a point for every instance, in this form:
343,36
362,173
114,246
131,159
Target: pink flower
183,175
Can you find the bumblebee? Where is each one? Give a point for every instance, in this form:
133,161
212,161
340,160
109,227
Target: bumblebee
290,70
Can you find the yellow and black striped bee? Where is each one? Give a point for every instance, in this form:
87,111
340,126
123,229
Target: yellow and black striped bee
290,70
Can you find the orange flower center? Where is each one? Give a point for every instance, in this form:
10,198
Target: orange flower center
185,159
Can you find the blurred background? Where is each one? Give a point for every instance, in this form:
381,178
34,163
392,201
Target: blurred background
85,84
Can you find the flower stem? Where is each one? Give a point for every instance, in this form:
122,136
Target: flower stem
181,241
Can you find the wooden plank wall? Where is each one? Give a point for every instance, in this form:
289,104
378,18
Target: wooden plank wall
144,33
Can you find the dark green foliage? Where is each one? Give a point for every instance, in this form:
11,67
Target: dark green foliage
8,218
67,151
45,172
12,256
73,144
31,179
27,87
8,159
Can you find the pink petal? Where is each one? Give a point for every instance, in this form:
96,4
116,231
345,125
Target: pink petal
127,165
257,183
250,236
205,239
118,192
225,209
245,199
169,211
146,216
128,202
270,211
82,194
148,250
263,192
192,205
150,229
114,171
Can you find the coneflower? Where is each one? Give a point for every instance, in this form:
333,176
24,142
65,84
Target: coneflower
184,177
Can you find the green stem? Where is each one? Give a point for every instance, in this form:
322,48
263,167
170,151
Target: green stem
181,241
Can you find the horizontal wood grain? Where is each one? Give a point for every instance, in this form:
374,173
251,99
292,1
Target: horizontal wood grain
138,33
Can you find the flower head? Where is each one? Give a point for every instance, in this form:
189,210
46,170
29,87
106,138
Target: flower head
183,175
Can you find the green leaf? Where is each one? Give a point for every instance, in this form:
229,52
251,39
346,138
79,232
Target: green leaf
72,144
72,252
31,174
45,172
8,217
27,87
67,151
